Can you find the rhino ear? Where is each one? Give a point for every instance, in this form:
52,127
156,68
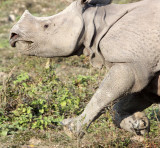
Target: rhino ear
84,1
95,2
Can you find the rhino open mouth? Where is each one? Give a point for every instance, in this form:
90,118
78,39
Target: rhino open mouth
16,41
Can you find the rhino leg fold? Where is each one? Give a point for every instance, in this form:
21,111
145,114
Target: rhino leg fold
119,81
127,113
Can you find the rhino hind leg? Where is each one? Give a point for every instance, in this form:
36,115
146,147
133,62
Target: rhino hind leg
119,81
127,113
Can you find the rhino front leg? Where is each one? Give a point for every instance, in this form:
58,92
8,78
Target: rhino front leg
120,80
127,113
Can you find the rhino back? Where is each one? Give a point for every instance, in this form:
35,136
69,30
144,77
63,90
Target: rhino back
135,37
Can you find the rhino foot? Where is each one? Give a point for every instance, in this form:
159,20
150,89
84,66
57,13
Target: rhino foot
137,123
140,123
72,128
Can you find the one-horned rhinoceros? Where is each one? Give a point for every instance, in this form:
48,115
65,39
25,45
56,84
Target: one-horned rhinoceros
123,37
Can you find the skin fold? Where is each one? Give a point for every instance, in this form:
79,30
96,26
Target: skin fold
123,37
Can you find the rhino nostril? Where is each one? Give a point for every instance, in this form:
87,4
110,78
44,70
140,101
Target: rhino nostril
13,35
13,39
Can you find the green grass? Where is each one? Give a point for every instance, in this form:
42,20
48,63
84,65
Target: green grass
4,44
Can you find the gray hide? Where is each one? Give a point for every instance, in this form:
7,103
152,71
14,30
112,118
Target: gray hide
125,38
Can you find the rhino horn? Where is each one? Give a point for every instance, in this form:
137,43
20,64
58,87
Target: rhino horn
26,14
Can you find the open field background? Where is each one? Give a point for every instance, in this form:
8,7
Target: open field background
37,93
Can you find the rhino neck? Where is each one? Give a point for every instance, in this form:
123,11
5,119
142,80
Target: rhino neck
98,21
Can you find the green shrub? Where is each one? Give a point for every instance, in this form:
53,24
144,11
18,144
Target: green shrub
41,102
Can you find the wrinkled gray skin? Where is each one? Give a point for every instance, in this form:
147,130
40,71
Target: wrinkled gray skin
125,38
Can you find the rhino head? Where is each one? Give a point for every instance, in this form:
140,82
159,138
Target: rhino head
57,35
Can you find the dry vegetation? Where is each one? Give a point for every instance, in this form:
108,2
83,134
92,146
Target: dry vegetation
36,93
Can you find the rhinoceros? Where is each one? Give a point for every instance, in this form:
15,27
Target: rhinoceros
123,37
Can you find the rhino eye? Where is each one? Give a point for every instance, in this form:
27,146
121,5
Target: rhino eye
46,26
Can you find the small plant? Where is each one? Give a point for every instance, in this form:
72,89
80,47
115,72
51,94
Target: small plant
41,103
21,78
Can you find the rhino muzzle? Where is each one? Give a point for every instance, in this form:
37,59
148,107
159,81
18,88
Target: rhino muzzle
16,38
